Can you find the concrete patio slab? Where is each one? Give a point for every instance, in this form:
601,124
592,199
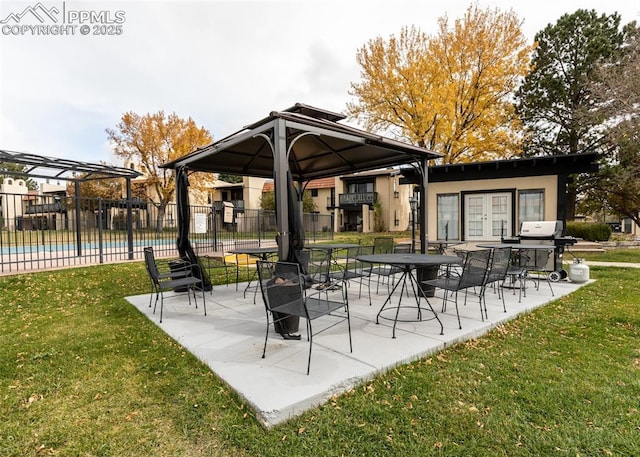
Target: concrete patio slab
231,337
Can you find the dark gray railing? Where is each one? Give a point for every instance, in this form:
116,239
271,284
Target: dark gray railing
358,198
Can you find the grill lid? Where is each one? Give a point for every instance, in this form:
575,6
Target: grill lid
541,229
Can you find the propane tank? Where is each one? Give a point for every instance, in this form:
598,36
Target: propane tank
578,271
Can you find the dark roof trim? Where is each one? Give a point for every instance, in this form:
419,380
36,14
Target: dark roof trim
370,174
512,168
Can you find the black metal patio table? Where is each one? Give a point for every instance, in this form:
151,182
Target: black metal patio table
332,247
261,253
408,263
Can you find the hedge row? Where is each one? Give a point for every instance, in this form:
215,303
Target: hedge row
589,231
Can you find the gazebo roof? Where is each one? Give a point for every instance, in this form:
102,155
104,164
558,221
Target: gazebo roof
317,146
38,166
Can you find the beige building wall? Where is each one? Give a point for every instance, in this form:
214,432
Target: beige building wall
390,194
252,191
47,188
216,194
549,184
394,200
12,205
321,201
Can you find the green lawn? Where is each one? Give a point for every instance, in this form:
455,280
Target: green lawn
82,372
610,255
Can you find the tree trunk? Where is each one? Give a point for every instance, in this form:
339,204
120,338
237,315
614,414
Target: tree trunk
162,209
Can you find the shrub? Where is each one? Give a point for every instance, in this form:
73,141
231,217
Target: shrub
589,231
378,221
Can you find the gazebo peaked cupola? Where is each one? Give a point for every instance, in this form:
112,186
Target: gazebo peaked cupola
299,144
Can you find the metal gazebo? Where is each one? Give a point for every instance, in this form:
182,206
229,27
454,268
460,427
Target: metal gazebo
299,144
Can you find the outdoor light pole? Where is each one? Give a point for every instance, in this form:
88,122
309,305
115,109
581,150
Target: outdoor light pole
413,202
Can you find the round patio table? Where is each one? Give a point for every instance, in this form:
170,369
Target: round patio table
262,253
408,264
331,247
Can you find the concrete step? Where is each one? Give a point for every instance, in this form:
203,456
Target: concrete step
586,246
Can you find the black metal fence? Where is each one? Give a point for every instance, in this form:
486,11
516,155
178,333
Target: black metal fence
43,232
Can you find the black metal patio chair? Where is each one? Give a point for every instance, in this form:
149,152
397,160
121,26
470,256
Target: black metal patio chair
383,273
353,270
474,274
283,293
499,266
167,268
215,266
317,264
537,261
524,262
212,260
179,280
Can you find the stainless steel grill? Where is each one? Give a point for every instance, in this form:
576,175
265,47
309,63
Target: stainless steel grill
551,233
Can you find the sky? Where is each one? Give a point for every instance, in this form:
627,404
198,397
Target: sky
70,69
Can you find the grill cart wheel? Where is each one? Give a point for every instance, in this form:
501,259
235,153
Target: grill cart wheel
556,276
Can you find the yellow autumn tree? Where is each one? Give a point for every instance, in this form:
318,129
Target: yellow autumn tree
153,139
107,188
451,92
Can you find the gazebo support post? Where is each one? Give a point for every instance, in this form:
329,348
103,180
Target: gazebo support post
424,171
280,170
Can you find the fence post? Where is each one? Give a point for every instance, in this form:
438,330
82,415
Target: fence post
215,228
259,224
129,220
100,252
78,228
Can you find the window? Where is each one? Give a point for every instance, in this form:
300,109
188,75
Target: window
448,217
314,192
360,187
500,214
531,205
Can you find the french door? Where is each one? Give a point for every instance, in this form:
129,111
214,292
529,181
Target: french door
487,216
